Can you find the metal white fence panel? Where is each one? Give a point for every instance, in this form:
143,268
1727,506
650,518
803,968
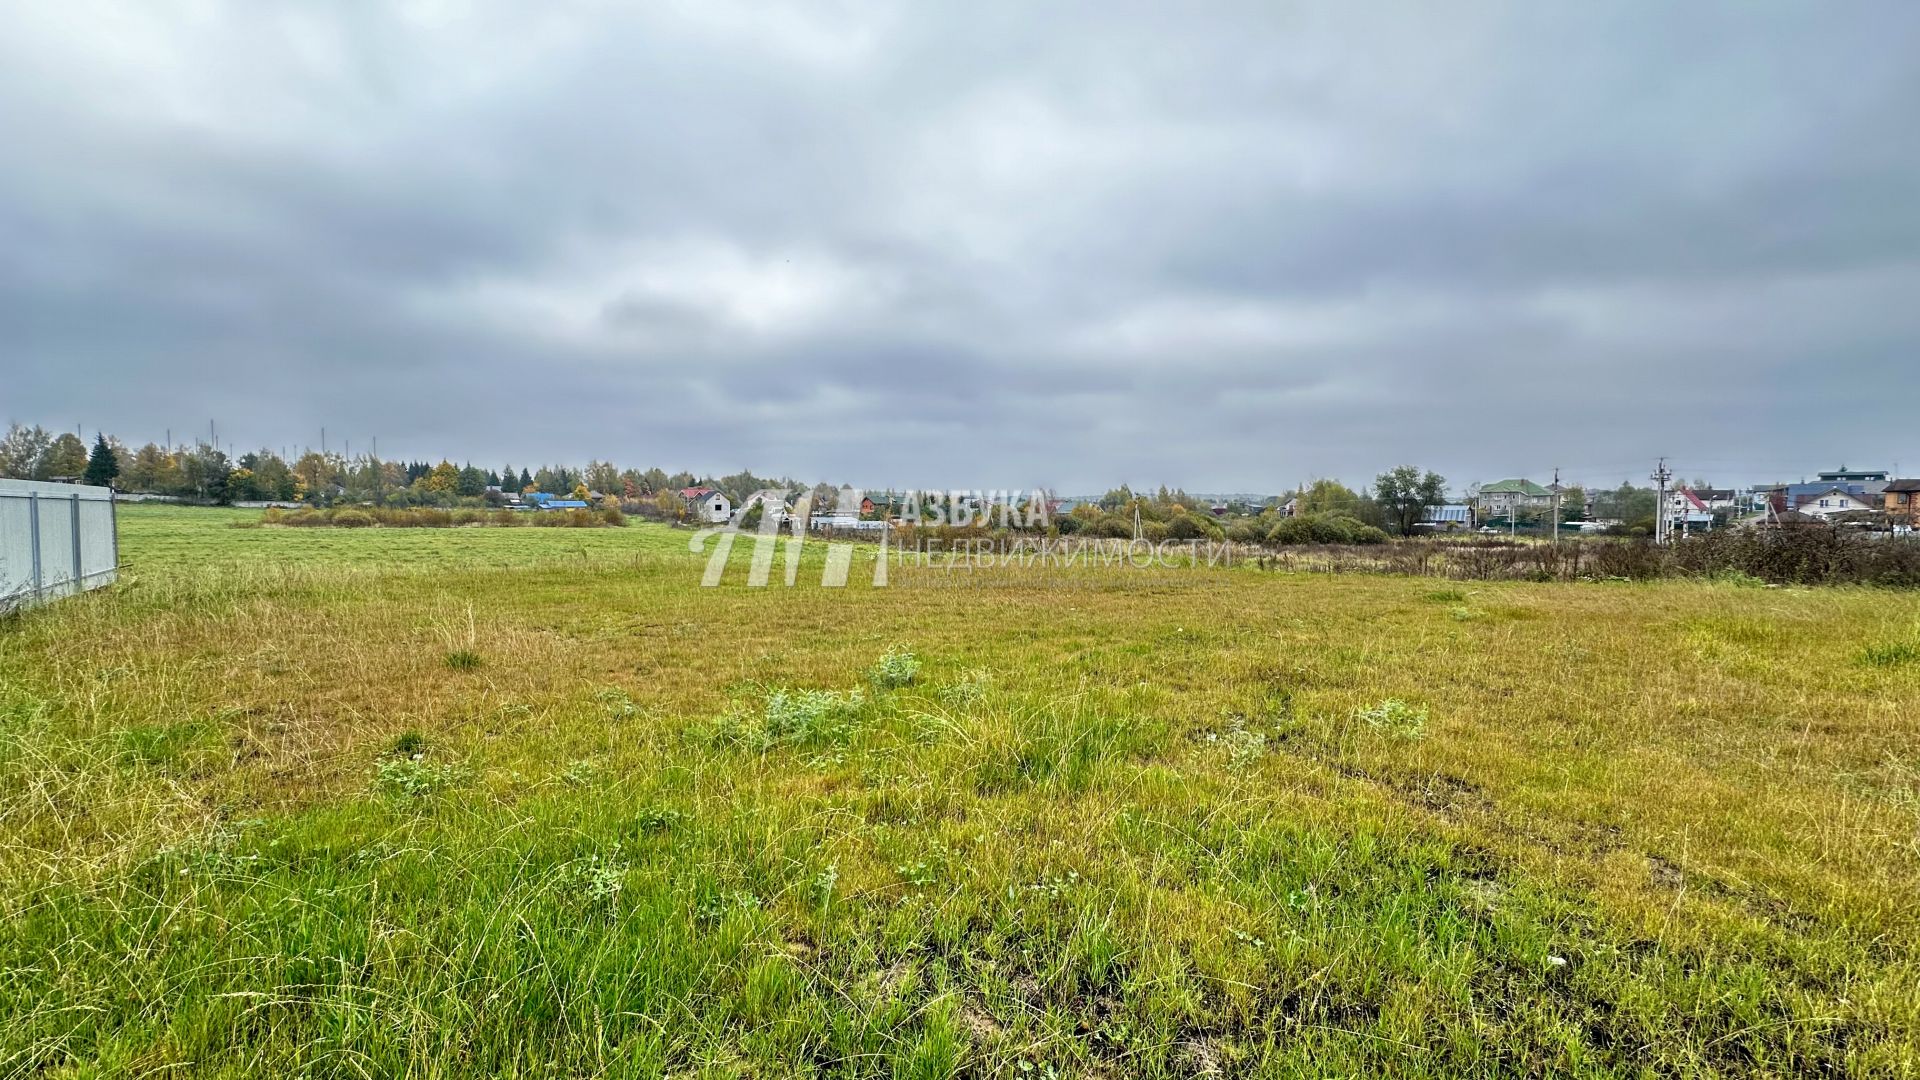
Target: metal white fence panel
55,539
16,547
57,564
99,537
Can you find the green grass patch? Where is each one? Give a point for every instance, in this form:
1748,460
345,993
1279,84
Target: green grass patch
1890,654
463,659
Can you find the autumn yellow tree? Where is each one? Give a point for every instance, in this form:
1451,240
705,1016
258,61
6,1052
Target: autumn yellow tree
444,477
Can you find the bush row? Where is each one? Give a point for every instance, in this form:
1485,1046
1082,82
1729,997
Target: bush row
361,517
1323,529
1791,556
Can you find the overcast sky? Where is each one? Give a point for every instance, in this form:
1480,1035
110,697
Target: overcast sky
1224,246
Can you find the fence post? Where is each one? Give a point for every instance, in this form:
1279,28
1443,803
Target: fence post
33,530
74,518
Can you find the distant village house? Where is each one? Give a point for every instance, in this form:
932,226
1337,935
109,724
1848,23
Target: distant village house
704,504
1505,498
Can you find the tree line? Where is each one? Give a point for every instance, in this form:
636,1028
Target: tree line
204,472
1325,511
1393,505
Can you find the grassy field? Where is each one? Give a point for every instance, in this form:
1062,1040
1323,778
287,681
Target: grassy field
530,802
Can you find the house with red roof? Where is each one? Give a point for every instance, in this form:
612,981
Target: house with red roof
707,505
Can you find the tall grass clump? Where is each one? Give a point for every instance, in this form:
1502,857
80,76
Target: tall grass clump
1891,654
790,718
1394,717
807,717
414,778
896,668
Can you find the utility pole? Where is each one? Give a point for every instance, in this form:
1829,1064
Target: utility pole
1661,474
1557,492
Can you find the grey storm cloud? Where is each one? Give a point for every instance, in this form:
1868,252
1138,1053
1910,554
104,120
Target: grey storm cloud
1228,246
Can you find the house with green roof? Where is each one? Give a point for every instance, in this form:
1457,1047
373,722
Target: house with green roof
1504,498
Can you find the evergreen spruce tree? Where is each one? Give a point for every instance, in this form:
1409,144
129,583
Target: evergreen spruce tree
102,464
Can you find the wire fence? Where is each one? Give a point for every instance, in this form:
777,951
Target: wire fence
55,540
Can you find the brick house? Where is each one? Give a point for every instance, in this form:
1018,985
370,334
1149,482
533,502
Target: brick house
1903,502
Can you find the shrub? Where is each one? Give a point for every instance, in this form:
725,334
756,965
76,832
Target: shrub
1333,528
349,519
1191,527
1368,534
1324,529
1740,557
423,517
1246,531
1292,530
566,519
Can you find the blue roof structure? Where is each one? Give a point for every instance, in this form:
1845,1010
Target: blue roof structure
1865,490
